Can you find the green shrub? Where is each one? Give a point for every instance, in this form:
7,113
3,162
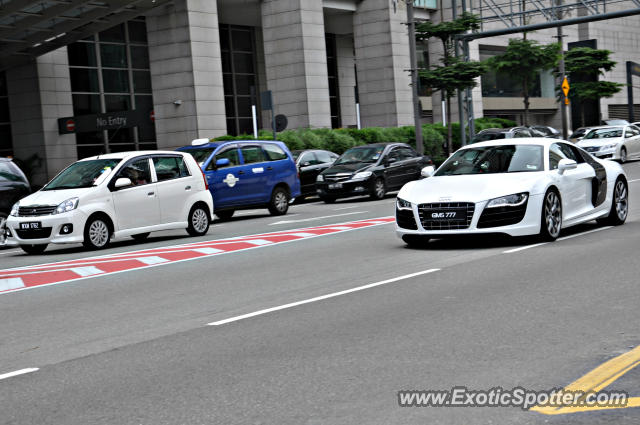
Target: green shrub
292,139
310,139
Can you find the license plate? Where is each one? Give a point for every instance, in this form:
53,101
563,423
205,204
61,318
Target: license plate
445,215
335,186
33,225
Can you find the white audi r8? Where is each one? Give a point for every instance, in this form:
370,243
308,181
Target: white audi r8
517,187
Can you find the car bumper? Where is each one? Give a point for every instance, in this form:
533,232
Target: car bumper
345,189
529,225
611,153
51,229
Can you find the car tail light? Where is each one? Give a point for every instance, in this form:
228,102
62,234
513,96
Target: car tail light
206,184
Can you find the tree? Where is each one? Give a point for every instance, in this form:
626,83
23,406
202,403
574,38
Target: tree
583,66
453,74
526,58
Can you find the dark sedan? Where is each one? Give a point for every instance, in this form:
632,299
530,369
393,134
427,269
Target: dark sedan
370,170
13,187
311,163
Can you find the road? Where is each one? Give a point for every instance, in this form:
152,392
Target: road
321,328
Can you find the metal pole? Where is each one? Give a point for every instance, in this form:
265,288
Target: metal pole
461,115
472,123
630,110
563,105
414,77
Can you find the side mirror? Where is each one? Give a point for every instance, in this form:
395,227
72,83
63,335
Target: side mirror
566,164
123,182
390,160
305,164
222,162
428,171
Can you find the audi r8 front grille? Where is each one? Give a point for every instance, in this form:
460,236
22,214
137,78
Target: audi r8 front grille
436,216
45,232
36,210
405,219
503,216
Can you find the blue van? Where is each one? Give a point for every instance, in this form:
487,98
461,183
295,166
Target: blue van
247,174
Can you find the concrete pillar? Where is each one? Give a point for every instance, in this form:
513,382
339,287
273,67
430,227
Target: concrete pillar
296,61
382,61
346,79
39,94
185,61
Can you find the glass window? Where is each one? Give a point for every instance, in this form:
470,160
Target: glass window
407,153
117,102
114,34
84,80
167,168
604,133
82,174
142,81
230,153
184,171
82,54
308,159
139,57
6,140
252,154
274,152
201,154
86,104
555,155
93,138
137,32
243,62
361,154
137,171
115,81
494,159
242,40
113,55
324,157
4,110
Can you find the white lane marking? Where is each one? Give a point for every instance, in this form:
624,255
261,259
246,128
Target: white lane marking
258,242
207,250
346,208
18,372
336,228
11,283
86,270
316,218
585,233
301,234
320,298
634,180
564,238
153,259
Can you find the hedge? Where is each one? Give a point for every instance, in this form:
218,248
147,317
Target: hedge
339,140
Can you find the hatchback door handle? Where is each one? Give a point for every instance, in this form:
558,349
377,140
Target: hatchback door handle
269,168
151,193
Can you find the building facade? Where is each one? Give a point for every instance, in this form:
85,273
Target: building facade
191,69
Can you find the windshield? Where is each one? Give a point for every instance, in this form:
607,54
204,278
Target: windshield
483,137
83,174
493,159
604,133
360,154
201,155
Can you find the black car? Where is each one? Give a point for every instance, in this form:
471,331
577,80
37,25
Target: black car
311,163
13,187
370,170
504,133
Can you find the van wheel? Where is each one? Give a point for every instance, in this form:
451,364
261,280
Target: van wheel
198,221
279,204
97,234
225,214
34,249
141,236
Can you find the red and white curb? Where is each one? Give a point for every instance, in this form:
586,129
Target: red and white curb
22,278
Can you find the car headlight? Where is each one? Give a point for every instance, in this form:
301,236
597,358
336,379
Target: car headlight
401,204
514,200
611,146
320,178
66,206
362,175
14,209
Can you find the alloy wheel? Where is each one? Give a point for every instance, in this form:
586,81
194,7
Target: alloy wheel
379,189
281,201
553,214
99,233
199,220
620,200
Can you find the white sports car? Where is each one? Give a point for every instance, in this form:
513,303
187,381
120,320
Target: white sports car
517,187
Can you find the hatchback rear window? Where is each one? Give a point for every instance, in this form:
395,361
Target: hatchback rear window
274,152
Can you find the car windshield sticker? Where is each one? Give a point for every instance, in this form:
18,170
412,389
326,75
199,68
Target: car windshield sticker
231,180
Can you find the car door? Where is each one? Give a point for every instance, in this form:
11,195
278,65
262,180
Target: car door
223,180
174,185
137,205
411,163
253,175
309,167
576,186
393,169
632,140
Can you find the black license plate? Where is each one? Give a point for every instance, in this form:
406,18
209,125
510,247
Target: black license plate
32,225
444,215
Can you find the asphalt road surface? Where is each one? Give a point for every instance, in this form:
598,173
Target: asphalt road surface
322,328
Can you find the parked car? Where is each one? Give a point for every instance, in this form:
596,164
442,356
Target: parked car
517,187
247,174
13,186
370,170
113,196
311,163
619,142
547,131
577,135
503,133
615,121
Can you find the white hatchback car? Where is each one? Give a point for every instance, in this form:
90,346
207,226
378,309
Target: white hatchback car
117,195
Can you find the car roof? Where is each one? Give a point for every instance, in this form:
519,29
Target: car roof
542,141
129,154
